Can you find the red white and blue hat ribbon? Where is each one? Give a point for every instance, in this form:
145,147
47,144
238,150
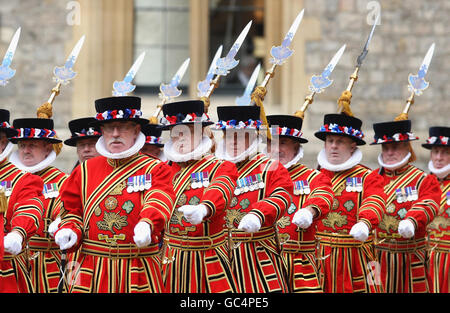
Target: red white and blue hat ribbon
89,132
234,124
35,133
398,137
118,114
433,140
184,118
335,128
153,140
286,131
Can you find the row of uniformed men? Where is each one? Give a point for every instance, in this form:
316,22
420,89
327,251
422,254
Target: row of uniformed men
234,220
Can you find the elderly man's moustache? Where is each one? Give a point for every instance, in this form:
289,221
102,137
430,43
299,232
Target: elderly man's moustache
115,140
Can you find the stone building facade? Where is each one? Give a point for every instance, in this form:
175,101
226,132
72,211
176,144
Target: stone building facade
118,30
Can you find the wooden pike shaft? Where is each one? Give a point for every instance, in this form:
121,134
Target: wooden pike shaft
268,76
353,79
409,101
308,101
55,92
154,117
213,86
266,80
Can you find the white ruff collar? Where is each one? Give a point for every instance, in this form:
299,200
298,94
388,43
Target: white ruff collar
351,162
292,162
221,152
7,151
162,156
101,148
394,166
203,148
441,172
14,159
296,158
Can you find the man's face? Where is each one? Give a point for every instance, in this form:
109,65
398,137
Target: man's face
86,149
237,141
33,151
285,151
339,149
3,141
152,150
120,136
185,138
440,156
394,152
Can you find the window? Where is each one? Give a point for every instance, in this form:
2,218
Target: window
162,31
227,19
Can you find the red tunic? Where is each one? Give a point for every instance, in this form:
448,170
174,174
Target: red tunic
298,244
402,260
23,215
103,214
257,262
439,243
345,260
205,244
45,259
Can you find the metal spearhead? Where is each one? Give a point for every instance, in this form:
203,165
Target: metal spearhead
203,86
6,73
281,53
63,74
363,54
322,81
245,99
224,65
170,91
417,83
122,88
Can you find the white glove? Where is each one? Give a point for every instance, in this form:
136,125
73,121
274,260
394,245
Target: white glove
406,229
303,218
250,223
142,234
66,238
360,231
53,227
13,243
194,214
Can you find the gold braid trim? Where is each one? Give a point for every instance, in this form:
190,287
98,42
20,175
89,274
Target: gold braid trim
3,202
258,97
401,117
45,110
206,103
344,103
57,147
153,120
300,114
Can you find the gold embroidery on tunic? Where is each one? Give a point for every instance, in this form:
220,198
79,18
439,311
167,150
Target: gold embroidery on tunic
335,219
283,222
175,230
339,190
111,203
182,200
112,220
389,222
112,239
439,221
233,216
176,217
118,189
